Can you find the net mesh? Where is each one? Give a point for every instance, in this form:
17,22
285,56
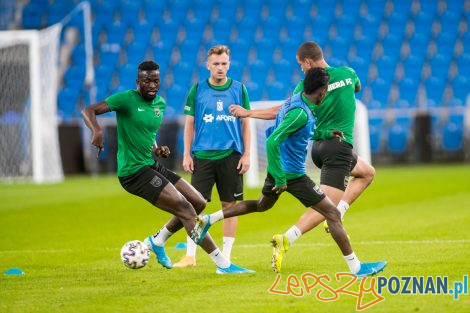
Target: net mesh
29,147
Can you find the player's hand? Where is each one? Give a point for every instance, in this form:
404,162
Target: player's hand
188,164
162,152
98,141
244,164
279,189
237,111
337,134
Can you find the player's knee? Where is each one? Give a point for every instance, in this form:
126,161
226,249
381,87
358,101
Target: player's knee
262,206
199,205
370,174
185,209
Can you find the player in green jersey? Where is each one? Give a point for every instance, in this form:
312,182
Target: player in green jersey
334,156
286,145
139,114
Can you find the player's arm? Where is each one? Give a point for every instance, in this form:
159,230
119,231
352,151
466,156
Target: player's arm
188,135
263,114
293,121
89,116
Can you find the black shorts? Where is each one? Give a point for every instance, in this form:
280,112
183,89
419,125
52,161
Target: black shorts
223,173
336,160
149,181
303,188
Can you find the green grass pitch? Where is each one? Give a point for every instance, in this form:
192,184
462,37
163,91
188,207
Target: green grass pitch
66,238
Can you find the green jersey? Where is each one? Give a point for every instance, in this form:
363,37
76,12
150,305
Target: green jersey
189,109
339,105
137,125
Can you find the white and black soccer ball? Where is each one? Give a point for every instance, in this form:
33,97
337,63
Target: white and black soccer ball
135,254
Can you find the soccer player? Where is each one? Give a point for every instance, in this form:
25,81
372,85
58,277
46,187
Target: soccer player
286,148
139,114
333,155
216,144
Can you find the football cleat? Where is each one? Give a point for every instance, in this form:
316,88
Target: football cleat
280,246
203,223
186,261
370,269
233,269
160,253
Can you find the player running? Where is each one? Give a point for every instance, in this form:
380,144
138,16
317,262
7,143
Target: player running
333,155
139,115
286,147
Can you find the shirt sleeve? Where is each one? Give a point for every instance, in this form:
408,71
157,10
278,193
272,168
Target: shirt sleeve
298,88
293,121
245,99
190,101
118,101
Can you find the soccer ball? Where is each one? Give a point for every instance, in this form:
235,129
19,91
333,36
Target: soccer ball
135,254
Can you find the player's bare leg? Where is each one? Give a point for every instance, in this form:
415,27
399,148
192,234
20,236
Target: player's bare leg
362,176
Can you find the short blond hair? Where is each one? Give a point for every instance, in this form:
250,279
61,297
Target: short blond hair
219,49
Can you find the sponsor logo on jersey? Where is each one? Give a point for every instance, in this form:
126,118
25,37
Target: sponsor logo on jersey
339,84
208,118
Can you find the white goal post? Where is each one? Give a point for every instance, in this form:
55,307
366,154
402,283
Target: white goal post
29,78
258,160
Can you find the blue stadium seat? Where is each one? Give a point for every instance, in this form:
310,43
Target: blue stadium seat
392,46
136,52
178,10
168,31
369,26
221,30
153,10
127,76
74,77
189,49
440,64
246,29
408,89
194,29
376,7
340,47
435,89
264,50
295,27
360,67
461,88
258,71
397,23
56,11
325,8
301,8
380,90
32,16
142,32
450,22
452,137
283,68
271,27
236,70
413,65
429,7
345,25
277,7
129,11
104,12
402,104
254,91
289,47
67,101
176,97
463,64
422,23
419,43
364,48
402,6
239,50
162,52
115,32
399,135
386,68
182,73
276,90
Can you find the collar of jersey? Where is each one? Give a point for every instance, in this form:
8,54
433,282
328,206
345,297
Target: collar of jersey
308,102
223,87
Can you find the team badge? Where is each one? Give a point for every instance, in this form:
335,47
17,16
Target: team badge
220,105
157,112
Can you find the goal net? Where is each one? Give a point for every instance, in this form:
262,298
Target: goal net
257,173
29,77
28,103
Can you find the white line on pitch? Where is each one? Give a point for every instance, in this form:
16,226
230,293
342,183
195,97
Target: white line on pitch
260,245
